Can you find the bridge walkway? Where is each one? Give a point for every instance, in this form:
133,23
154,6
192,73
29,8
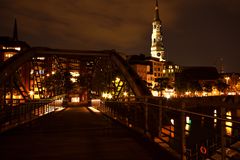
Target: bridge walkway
76,133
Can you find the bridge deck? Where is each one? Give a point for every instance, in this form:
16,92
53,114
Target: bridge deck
76,133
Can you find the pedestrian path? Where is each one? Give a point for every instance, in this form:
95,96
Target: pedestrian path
76,133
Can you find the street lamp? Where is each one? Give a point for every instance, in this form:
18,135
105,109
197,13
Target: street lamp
227,79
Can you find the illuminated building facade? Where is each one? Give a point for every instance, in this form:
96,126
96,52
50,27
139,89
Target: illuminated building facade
170,70
233,82
155,67
144,71
157,49
156,70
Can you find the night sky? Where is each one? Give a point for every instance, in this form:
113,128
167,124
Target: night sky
196,32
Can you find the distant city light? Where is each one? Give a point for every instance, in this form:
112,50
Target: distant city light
75,99
73,80
75,74
106,95
117,79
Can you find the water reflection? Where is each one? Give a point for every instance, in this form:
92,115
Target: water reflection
172,128
202,124
229,124
215,120
188,125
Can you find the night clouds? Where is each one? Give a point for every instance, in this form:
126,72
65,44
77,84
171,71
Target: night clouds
195,32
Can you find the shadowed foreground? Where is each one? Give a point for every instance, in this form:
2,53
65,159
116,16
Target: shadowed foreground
76,133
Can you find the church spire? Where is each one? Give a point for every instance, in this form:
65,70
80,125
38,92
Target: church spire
156,18
157,49
15,33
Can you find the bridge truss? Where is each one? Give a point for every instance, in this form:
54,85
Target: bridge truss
41,74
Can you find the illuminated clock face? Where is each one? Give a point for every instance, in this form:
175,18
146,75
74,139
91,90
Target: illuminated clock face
158,54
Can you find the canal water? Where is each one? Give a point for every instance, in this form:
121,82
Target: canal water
204,132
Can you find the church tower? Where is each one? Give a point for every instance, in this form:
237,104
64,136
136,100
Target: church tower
15,32
157,49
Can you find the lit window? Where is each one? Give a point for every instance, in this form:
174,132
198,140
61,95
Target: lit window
8,55
73,80
40,58
75,74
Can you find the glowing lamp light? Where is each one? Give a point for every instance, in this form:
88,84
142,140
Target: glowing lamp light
125,94
227,79
104,95
75,74
187,93
109,96
31,93
73,80
167,95
117,79
17,48
155,93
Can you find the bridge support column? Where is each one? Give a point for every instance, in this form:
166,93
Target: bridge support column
223,132
179,129
146,117
160,118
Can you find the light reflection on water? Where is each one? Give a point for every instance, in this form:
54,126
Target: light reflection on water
229,124
189,123
187,126
215,120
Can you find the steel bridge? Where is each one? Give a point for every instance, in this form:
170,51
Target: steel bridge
41,81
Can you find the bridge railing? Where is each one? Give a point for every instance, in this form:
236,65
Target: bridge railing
11,117
184,132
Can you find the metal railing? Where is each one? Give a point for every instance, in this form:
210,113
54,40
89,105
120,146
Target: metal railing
11,117
168,126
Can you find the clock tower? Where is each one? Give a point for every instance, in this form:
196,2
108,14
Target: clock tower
157,49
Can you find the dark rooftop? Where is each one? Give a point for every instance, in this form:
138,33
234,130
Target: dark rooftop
200,73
